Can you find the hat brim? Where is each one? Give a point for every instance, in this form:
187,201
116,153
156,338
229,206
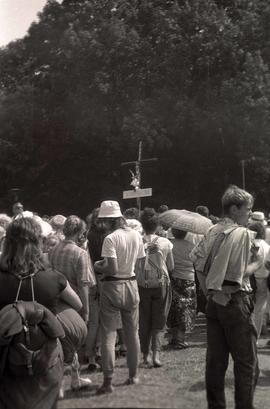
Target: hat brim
110,216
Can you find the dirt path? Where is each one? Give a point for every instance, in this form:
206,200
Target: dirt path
179,384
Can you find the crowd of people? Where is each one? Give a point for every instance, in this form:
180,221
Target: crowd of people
119,281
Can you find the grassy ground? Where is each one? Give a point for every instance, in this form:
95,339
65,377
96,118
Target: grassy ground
178,384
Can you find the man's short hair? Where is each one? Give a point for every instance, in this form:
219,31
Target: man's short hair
203,210
162,208
73,225
233,195
132,213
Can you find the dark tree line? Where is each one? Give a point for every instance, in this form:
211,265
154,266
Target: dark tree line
92,78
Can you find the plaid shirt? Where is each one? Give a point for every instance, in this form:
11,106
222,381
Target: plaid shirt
74,262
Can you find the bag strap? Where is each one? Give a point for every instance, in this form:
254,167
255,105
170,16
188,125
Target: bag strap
215,248
20,285
26,330
155,240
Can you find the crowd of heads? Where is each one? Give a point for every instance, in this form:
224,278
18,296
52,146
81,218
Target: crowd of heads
106,218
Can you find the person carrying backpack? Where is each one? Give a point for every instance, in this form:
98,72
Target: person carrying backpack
31,356
154,286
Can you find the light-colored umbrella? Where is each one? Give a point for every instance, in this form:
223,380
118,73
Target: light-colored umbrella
168,217
185,220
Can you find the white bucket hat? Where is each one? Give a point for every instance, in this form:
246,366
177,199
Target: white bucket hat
110,208
258,217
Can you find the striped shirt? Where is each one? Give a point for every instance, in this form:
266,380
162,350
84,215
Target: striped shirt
74,262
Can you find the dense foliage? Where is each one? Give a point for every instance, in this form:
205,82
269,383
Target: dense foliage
189,78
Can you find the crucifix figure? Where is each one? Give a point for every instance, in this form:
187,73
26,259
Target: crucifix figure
136,177
135,181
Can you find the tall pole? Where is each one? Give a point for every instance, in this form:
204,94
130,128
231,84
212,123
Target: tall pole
137,177
138,173
243,174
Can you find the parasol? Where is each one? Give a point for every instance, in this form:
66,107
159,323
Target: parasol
185,220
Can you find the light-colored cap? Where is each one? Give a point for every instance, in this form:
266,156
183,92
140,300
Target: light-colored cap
109,208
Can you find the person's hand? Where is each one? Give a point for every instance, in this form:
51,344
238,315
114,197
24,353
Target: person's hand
98,264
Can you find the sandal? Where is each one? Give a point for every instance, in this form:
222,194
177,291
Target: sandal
179,344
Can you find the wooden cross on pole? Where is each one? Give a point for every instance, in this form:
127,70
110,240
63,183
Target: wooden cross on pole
136,179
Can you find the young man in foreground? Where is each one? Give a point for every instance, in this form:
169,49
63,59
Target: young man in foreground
224,262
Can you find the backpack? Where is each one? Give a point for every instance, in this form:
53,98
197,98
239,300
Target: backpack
153,272
29,335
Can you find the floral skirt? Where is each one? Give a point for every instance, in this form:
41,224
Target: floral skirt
183,307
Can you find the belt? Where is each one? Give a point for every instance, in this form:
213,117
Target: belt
231,283
112,278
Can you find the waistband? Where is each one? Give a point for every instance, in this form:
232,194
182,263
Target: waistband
231,295
230,283
112,278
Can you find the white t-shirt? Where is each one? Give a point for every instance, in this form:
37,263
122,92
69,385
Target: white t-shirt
126,246
165,244
264,252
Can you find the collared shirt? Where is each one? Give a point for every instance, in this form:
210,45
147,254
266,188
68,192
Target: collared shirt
74,262
232,258
201,251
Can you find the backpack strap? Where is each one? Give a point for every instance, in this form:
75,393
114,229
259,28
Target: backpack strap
21,278
215,248
155,240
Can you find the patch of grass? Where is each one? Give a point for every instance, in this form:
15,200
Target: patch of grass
178,384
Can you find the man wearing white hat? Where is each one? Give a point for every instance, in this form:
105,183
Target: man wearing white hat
258,217
121,248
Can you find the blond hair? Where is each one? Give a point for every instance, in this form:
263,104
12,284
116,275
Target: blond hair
233,195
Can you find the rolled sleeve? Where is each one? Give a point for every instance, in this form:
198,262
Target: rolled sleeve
85,271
